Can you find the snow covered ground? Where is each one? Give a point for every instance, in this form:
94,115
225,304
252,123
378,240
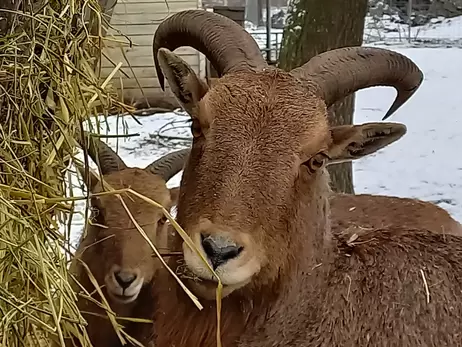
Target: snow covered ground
439,31
424,164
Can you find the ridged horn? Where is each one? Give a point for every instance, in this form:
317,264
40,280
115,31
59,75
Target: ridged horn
169,165
103,155
343,71
225,43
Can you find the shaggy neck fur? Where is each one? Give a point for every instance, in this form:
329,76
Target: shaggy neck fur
244,312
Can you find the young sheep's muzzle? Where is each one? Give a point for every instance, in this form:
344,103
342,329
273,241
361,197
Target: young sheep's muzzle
124,285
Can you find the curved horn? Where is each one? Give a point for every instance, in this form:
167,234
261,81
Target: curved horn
169,165
103,155
225,43
343,71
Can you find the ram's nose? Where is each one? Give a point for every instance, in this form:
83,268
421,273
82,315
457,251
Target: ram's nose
219,249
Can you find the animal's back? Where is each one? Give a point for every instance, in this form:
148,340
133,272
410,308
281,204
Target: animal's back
378,211
375,293
391,288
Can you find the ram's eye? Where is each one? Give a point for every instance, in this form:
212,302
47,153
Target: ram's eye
196,128
317,162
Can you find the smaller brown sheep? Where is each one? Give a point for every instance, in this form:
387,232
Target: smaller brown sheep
119,258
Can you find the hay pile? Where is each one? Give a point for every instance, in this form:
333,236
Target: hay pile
49,53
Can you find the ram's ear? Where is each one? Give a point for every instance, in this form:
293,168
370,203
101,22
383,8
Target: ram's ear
91,181
183,81
351,142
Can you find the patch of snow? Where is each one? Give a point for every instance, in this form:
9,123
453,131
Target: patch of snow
425,163
388,29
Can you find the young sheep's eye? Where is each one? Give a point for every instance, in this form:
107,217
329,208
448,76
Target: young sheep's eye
94,212
196,128
96,215
162,221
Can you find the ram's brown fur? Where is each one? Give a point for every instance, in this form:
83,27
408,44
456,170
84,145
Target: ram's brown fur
378,211
255,189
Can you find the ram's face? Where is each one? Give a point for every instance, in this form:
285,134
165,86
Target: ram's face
259,133
238,188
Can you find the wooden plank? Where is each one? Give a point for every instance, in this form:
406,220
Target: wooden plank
115,42
146,61
146,82
150,82
145,51
153,8
137,94
140,18
141,51
137,40
140,72
130,29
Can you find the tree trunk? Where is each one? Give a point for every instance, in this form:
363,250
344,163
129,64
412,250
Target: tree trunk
316,26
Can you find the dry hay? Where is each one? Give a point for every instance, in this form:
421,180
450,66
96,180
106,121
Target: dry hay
48,55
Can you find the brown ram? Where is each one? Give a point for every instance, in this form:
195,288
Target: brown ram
119,258
254,198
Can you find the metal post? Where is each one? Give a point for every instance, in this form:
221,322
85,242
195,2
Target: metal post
268,31
409,20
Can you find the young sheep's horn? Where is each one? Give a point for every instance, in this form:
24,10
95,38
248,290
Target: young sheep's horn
343,71
103,155
169,165
225,43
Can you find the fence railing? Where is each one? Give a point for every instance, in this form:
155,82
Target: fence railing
276,40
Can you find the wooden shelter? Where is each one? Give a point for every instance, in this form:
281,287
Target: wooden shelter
138,20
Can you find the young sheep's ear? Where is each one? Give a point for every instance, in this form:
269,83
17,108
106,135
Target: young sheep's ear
183,81
352,142
174,194
94,179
